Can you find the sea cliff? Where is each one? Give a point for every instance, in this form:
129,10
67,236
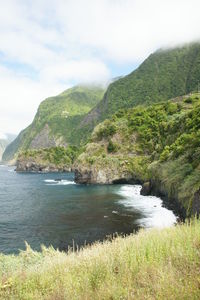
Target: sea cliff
157,146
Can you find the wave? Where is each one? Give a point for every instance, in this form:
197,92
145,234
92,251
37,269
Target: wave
154,214
58,182
49,180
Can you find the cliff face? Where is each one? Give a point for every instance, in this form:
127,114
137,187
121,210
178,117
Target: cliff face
72,115
43,139
5,142
55,159
36,166
163,75
158,146
112,175
56,120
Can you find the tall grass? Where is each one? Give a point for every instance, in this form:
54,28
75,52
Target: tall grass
154,264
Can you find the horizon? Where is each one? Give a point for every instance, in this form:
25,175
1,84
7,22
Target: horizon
57,46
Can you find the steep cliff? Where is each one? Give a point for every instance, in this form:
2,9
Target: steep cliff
4,142
56,120
163,75
70,117
55,159
158,145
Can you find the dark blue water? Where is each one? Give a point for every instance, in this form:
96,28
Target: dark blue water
40,209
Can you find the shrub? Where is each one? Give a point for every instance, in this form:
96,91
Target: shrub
107,130
112,147
188,100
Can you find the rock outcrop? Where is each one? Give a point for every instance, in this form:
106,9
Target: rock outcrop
156,187
28,165
43,139
57,122
103,176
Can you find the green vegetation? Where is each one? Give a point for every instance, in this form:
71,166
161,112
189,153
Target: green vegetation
160,142
59,156
154,264
72,115
5,142
57,119
163,75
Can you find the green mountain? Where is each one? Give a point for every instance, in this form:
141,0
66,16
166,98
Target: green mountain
158,145
70,117
163,75
56,120
5,142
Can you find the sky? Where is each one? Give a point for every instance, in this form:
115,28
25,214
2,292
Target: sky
47,46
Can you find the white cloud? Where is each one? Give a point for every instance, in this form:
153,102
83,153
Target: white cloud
3,136
84,71
19,99
126,31
46,46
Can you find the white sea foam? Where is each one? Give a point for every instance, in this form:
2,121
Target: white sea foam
149,206
58,182
49,180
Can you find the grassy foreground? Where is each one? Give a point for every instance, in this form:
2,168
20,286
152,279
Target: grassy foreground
154,264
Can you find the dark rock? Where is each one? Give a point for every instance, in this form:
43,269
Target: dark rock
146,189
43,139
170,200
83,177
27,165
196,204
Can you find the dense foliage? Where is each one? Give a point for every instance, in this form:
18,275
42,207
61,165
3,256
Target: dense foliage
62,114
55,155
73,114
160,141
163,75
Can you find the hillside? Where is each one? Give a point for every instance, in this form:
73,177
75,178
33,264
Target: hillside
70,117
54,159
5,142
56,119
154,264
158,145
163,75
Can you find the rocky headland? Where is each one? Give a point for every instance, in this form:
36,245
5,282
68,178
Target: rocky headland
55,159
157,146
31,165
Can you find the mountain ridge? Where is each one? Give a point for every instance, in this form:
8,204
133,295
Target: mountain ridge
163,75
156,145
148,83
55,120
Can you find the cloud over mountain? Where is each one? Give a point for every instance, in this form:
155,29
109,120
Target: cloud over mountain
47,46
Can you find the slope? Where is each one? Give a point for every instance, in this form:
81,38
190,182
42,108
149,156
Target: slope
5,142
158,144
154,264
55,120
163,75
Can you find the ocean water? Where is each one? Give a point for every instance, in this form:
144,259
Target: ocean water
50,209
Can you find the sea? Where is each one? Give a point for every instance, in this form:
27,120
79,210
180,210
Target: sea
51,209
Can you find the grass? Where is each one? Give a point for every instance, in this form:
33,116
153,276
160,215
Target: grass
154,264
